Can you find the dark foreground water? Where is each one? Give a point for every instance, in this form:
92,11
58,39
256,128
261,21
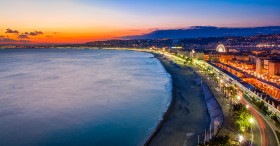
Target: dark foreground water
80,97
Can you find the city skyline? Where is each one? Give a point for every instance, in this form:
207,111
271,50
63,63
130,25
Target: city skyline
30,21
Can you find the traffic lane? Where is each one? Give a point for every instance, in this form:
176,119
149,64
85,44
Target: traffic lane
267,134
256,135
259,121
271,140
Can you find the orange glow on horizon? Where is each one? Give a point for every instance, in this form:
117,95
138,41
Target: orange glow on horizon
71,36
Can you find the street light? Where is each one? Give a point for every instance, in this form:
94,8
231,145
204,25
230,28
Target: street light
247,106
241,138
238,97
251,120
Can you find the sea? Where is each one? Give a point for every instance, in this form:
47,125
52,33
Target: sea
71,97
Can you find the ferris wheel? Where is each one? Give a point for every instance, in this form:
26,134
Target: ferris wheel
221,48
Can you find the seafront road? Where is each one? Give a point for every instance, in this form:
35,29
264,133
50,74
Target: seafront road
268,137
263,133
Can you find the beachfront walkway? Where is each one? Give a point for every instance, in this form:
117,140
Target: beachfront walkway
226,128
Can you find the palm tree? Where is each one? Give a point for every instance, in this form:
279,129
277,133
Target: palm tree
241,116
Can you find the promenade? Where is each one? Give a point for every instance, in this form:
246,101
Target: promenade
223,102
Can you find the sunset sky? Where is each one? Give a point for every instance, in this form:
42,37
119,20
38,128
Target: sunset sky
76,21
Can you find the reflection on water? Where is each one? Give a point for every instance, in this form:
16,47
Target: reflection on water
80,97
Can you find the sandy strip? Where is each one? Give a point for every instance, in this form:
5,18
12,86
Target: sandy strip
187,114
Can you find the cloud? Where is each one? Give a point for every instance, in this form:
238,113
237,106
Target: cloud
8,30
23,36
34,33
26,35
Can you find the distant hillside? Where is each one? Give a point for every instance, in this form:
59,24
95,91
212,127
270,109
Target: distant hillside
206,31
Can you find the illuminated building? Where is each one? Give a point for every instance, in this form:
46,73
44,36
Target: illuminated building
206,57
199,56
226,57
274,69
259,65
242,58
214,57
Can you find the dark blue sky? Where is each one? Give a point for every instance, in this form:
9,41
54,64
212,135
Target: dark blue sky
200,12
86,20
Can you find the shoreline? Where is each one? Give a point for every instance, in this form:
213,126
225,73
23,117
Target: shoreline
168,112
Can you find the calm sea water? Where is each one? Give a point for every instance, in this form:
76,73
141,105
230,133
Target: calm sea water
52,97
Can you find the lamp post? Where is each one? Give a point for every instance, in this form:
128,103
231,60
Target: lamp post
251,121
238,98
240,138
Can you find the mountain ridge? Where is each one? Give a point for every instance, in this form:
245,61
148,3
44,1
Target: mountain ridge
206,31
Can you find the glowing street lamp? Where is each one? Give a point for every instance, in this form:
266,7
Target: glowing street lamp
251,120
247,106
241,138
238,97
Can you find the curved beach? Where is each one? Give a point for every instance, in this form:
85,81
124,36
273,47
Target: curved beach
187,116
